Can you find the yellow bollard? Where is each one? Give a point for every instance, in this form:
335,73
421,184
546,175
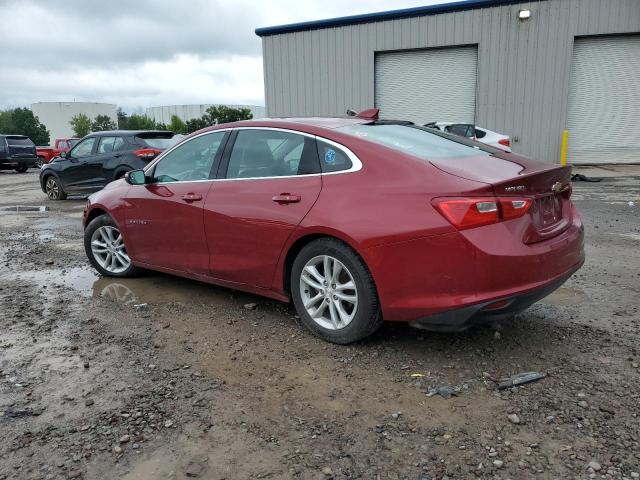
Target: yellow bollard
563,148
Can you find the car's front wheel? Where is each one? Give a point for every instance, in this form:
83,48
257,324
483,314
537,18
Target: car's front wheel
39,162
54,189
105,248
334,293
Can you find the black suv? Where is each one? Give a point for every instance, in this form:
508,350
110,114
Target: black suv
17,152
100,158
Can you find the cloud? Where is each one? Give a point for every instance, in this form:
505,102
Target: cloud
147,52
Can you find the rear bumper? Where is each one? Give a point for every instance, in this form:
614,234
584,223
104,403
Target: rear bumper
455,275
464,318
12,163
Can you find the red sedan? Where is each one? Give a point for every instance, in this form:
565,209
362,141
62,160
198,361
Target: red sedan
356,220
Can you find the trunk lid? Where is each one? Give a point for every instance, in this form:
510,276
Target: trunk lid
510,175
20,146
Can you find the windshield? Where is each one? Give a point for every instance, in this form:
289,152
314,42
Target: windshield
19,141
157,142
413,140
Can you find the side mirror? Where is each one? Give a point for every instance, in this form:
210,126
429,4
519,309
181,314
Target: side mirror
135,177
63,155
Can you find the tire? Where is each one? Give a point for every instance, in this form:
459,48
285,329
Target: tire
120,174
53,189
21,168
359,316
104,246
40,162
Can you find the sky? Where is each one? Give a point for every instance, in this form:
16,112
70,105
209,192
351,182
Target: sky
142,53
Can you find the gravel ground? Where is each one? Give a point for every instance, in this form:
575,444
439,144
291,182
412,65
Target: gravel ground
159,377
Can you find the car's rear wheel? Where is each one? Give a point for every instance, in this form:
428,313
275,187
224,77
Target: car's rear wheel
105,248
334,293
53,188
21,168
40,162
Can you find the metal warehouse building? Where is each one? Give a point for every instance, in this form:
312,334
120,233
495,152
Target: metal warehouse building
57,115
526,69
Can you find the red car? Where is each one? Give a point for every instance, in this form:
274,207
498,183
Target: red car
46,154
356,220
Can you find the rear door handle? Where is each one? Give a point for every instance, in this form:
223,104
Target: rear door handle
191,197
285,198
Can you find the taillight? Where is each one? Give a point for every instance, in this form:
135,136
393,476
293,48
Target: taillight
505,141
147,153
465,212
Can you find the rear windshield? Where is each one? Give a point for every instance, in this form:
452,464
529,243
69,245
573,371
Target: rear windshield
19,141
160,141
413,140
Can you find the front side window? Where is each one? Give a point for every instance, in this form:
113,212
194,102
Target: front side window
190,161
272,153
418,141
84,148
110,144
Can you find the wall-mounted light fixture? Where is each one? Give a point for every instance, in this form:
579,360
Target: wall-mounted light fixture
524,14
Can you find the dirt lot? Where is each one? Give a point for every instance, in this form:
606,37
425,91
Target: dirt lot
159,377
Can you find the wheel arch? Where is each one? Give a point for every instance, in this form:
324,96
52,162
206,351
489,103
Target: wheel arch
48,174
282,281
95,213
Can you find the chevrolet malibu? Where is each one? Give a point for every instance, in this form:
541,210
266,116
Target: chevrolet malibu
355,220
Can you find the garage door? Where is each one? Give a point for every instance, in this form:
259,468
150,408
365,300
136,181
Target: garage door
604,101
427,85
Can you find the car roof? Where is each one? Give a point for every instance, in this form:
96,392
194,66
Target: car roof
323,122
127,132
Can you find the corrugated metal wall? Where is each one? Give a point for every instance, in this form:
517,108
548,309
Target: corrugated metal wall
523,67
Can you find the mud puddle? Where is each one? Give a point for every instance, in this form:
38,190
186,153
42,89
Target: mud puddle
150,289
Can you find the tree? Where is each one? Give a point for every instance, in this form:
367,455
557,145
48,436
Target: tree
22,121
196,124
102,123
140,122
177,125
81,125
123,120
223,114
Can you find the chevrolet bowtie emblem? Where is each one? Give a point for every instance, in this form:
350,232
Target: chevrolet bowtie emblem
556,187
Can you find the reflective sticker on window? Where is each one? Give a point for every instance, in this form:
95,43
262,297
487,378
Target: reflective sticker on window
330,157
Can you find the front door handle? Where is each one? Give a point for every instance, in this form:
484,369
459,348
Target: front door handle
285,198
191,197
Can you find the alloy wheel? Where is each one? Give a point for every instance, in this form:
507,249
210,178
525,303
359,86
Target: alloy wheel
328,292
107,247
52,188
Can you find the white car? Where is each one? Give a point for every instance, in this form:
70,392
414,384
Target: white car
497,140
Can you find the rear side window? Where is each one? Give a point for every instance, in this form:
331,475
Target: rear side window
23,141
110,144
332,159
462,130
480,133
418,141
272,153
